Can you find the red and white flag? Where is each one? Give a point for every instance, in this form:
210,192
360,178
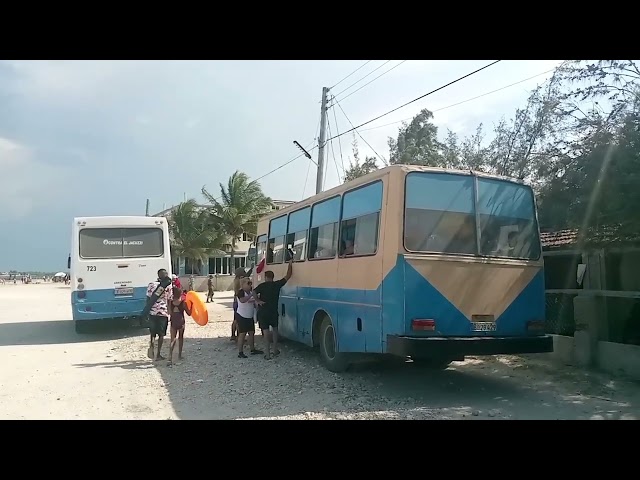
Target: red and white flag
261,265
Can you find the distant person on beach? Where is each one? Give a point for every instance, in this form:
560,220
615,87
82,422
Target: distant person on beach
244,318
210,289
160,293
178,307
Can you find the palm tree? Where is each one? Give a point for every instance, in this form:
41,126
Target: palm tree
192,233
238,208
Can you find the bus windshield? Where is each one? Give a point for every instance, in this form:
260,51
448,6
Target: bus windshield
106,243
442,215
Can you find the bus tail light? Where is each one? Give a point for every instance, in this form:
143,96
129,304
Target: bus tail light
535,326
423,325
82,294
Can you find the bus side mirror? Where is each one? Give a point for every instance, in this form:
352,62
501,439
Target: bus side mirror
69,262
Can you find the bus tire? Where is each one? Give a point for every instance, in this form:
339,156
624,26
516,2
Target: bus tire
333,360
82,326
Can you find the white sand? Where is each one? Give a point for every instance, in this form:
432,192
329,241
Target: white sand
50,372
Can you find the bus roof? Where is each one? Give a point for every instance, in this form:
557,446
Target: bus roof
379,174
118,220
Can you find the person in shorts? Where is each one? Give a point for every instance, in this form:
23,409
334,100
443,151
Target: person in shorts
244,318
240,274
159,314
267,294
177,307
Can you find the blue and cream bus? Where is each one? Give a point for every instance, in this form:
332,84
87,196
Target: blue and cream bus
411,261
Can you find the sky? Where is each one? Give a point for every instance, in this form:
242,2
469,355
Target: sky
86,138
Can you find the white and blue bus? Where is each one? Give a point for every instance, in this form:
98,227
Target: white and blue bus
112,261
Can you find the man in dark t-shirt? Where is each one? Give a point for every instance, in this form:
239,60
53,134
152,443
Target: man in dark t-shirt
267,294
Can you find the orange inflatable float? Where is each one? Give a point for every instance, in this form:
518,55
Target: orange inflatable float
198,309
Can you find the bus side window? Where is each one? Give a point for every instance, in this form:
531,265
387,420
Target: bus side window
297,233
276,244
323,236
261,247
361,218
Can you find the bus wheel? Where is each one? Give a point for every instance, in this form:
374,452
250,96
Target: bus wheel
333,360
82,326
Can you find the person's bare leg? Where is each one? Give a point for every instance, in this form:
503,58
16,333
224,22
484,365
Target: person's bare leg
151,350
234,325
160,341
180,342
274,334
267,344
241,337
172,344
252,341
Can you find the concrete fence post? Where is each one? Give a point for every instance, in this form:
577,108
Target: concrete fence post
590,318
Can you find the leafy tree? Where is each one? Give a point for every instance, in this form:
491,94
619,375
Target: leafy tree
237,210
192,234
357,169
417,142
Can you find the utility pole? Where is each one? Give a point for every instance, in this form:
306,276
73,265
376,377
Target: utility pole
321,140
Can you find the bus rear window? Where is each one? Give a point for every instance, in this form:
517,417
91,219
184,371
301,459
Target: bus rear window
443,216
105,243
506,212
440,214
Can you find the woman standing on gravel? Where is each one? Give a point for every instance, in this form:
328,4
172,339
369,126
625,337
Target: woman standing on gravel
244,317
240,274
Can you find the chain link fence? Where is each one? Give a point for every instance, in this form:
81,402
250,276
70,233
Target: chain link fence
560,319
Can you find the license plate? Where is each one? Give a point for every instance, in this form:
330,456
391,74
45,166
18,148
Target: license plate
483,326
124,291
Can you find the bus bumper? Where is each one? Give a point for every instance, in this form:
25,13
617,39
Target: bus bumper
457,347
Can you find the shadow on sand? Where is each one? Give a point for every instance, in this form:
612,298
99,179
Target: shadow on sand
63,331
212,383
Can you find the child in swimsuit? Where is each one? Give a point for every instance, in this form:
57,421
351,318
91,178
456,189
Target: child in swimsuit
177,309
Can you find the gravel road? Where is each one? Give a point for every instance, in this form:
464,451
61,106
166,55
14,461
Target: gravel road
50,372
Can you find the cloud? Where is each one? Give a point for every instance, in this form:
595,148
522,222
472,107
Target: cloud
25,183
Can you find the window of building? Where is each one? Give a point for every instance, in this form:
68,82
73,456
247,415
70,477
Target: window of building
323,236
361,218
297,234
439,213
276,243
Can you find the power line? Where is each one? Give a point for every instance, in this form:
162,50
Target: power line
358,81
335,162
383,73
351,74
464,101
419,98
281,166
363,139
339,141
306,178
